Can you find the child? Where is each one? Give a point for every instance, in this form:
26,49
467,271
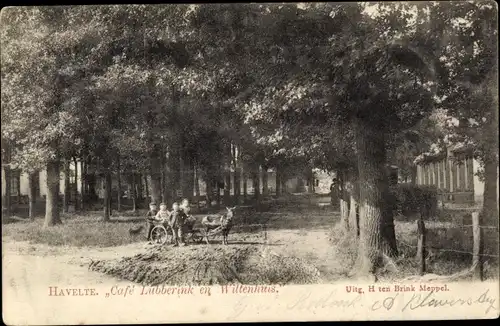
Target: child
163,214
150,218
189,219
176,223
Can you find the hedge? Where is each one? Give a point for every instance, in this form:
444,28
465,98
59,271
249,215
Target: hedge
412,199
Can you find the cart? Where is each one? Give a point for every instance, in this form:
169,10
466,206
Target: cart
162,233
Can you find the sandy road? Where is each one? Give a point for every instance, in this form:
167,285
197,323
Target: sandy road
26,265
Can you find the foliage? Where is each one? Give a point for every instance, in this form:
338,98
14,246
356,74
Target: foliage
409,199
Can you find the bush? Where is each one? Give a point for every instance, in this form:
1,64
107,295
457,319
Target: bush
409,199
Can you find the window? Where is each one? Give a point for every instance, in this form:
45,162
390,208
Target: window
317,182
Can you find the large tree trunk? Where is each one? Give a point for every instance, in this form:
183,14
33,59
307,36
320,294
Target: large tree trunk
155,173
377,237
107,196
52,216
32,193
489,213
67,189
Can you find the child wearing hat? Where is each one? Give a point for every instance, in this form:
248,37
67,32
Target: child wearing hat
150,217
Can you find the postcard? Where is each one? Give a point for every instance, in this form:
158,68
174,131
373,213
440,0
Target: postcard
193,163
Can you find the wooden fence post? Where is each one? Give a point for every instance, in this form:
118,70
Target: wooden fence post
421,245
477,258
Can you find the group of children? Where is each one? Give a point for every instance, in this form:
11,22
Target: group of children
177,219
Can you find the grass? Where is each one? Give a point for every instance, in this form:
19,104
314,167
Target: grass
77,230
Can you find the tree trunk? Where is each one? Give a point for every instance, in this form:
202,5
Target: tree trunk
67,189
145,184
311,182
489,214
92,180
237,185
245,185
256,184
155,173
209,191
75,188
119,181
227,186
354,208
283,182
167,184
196,183
490,198
83,192
218,193
32,193
265,188
140,186
132,191
344,203
107,196
278,182
18,189
188,178
377,237
414,174
52,216
6,202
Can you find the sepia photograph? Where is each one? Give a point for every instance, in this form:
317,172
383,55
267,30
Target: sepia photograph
236,162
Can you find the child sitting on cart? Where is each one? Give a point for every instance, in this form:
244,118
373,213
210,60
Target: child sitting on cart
189,219
150,219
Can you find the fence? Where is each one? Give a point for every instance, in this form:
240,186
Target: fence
477,268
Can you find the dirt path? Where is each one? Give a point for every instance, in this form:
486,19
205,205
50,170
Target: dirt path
26,265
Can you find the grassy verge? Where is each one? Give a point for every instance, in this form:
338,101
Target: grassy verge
449,250
77,230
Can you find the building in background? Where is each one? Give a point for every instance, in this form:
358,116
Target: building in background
454,173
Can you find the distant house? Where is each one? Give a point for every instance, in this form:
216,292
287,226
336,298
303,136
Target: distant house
454,173
19,182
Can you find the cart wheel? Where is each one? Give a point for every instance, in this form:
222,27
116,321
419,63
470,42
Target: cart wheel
197,237
159,235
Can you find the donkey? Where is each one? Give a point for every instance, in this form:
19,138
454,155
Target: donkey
223,226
